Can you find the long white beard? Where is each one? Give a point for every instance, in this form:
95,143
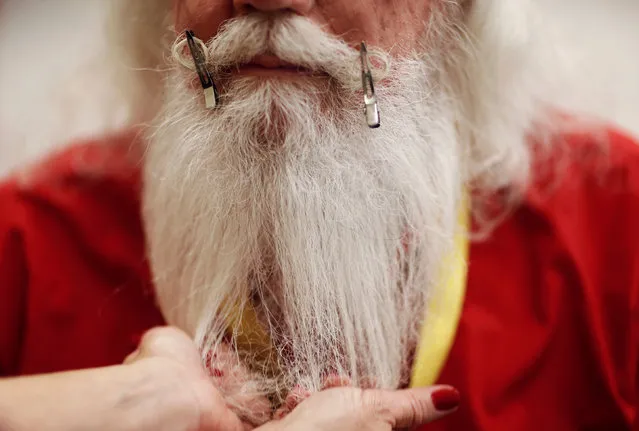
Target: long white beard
285,200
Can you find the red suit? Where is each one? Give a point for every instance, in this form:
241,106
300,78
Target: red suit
549,334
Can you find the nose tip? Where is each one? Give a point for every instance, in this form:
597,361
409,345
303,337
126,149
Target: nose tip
301,7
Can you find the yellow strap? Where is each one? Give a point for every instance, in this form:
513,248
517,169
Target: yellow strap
444,310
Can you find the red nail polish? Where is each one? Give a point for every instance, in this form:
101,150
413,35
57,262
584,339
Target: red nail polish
210,356
280,413
445,399
216,372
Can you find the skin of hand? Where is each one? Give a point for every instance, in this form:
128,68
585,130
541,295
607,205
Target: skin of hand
163,386
173,351
351,409
335,408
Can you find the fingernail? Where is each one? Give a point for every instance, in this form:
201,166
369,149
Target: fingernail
295,397
216,372
445,399
280,414
335,381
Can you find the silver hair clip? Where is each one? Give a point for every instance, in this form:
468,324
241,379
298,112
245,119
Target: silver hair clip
211,96
370,99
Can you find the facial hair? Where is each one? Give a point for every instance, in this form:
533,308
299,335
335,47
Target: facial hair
284,200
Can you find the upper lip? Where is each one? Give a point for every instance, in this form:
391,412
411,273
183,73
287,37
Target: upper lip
271,62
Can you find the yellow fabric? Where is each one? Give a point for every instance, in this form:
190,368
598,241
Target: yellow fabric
251,338
444,310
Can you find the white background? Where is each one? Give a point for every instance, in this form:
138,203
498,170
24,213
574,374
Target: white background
53,84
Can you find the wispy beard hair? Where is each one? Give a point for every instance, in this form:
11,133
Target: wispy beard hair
333,232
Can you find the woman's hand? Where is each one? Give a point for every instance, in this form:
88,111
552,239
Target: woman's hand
171,355
350,409
163,386
342,408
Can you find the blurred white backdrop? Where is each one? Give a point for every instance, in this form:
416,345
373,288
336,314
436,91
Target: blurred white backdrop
54,86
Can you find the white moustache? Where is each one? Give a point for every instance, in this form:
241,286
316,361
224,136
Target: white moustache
292,39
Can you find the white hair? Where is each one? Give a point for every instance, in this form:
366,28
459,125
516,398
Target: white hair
497,71
337,230
278,196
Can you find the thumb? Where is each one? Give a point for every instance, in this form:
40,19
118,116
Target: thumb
413,407
169,342
225,420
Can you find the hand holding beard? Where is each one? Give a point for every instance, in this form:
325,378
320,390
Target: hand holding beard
173,354
282,200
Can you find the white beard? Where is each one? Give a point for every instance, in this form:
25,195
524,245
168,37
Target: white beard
288,200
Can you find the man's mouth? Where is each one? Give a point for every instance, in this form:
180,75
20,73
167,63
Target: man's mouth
270,65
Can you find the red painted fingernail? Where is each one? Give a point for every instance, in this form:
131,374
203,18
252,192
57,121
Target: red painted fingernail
280,414
445,399
216,372
335,381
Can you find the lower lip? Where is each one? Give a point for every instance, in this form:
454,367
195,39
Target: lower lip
253,70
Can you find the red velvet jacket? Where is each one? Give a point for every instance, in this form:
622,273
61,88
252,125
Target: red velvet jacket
549,335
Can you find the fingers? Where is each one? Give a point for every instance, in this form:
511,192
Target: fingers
167,342
132,357
234,380
225,420
299,394
413,407
293,399
184,363
335,381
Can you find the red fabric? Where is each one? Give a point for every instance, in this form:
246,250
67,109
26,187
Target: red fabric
75,286
549,336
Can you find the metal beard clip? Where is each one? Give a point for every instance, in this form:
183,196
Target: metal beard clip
370,99
211,96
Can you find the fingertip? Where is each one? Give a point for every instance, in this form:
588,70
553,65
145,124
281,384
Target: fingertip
131,357
226,420
445,399
336,381
169,342
418,406
165,332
